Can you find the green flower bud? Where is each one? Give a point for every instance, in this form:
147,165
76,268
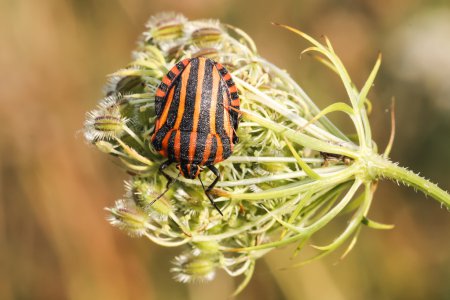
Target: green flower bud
143,194
106,122
128,217
195,268
164,29
206,35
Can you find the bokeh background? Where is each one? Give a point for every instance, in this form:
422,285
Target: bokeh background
54,240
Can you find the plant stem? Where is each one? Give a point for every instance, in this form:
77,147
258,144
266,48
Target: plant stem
384,168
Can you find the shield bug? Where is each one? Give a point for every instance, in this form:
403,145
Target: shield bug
196,119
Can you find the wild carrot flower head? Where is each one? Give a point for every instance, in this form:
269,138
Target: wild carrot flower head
291,173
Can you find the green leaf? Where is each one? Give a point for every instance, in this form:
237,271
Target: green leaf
366,88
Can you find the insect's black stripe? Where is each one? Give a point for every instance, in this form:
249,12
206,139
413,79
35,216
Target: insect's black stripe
191,90
159,105
180,66
163,87
173,111
234,118
226,147
184,146
171,146
159,137
212,154
205,106
203,127
170,75
223,71
193,171
234,96
219,108
230,82
200,147
184,169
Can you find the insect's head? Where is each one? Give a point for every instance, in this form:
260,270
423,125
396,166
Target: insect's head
189,171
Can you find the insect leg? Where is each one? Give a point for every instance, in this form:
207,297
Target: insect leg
217,173
170,180
162,167
209,197
211,186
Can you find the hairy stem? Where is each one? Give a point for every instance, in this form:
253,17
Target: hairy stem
384,168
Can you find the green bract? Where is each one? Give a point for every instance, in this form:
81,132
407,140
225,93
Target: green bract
292,172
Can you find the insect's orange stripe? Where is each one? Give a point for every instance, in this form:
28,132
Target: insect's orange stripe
192,145
198,94
219,149
235,102
163,117
214,92
166,80
232,89
165,143
184,83
207,149
227,77
177,144
185,61
160,93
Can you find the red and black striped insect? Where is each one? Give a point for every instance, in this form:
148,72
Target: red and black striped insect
196,119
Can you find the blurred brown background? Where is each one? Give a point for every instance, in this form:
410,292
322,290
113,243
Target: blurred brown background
54,240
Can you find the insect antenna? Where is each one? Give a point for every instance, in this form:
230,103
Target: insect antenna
209,197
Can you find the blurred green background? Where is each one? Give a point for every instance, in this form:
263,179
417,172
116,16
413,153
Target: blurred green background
54,240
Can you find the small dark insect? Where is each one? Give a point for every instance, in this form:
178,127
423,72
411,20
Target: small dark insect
196,119
332,157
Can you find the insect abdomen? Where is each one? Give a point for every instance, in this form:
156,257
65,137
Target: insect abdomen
195,147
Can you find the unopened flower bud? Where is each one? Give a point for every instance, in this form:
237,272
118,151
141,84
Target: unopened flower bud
144,193
165,27
206,34
104,146
106,122
195,268
128,217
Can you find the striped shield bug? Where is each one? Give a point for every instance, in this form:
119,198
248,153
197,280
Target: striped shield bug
196,119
